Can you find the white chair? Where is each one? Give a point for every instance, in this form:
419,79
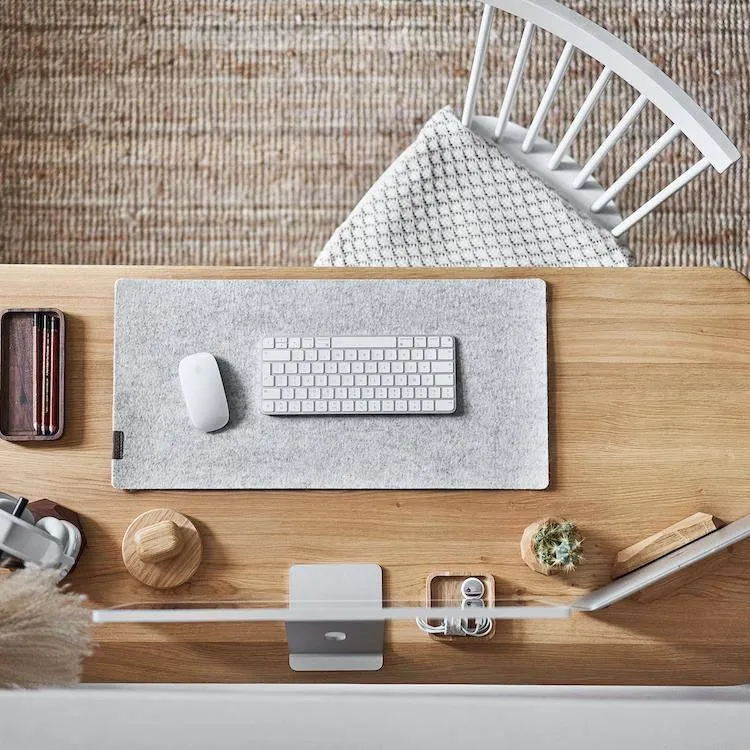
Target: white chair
550,164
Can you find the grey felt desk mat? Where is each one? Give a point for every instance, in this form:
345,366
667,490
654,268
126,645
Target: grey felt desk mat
496,439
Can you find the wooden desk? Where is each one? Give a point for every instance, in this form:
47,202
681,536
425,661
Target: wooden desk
649,421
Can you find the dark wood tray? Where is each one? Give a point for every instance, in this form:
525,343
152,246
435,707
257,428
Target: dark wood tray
17,375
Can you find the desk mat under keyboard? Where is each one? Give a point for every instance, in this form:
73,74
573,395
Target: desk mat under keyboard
497,438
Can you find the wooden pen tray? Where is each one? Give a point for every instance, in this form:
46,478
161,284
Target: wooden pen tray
444,590
32,393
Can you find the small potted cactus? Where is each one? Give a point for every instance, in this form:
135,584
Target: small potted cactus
551,546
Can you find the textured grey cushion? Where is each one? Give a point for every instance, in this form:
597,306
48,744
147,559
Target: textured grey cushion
453,199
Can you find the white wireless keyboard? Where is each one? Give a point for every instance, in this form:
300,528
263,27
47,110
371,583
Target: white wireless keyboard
344,375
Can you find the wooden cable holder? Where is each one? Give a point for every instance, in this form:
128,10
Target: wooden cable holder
444,590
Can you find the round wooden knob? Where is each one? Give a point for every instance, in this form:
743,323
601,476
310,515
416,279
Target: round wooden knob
162,548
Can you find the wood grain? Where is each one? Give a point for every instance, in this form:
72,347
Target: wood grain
649,421
154,568
663,542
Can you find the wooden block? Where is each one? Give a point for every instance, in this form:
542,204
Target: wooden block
159,541
444,590
164,573
663,542
669,586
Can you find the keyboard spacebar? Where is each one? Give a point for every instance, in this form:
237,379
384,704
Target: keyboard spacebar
363,342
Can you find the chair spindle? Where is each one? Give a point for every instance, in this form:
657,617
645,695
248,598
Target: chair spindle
515,79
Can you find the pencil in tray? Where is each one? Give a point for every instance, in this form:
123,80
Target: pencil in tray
37,372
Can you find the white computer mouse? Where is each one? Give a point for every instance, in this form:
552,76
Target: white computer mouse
204,393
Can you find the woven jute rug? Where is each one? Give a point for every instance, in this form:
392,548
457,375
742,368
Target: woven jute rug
243,131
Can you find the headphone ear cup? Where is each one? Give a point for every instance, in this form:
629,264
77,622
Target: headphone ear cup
65,532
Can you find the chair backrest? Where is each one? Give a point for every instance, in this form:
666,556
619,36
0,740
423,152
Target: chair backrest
552,162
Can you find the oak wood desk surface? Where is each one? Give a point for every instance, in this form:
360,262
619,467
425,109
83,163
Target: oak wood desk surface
649,423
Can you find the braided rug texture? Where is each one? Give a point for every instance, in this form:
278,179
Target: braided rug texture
244,131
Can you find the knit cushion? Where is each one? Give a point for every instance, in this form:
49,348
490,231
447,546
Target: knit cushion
453,199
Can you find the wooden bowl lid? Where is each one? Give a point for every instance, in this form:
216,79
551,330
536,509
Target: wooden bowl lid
166,574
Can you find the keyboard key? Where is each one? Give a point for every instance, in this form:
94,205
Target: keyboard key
311,355
268,343
363,355
308,380
370,342
271,393
268,380
413,379
433,341
373,406
444,379
321,380
423,367
300,394
378,355
400,380
330,367
282,381
445,354
267,406
347,380
433,392
444,406
358,367
295,407
428,405
401,406
391,355
276,355
281,343
287,394
347,406
388,405
442,367
324,355
403,354
321,406
317,368
405,341
360,406
371,367
397,367
295,381
295,343
415,406
360,380
410,366
446,341
394,393
323,343
308,343
420,393
381,393
420,342
340,393
368,393
407,393
386,379
334,406
327,393
334,380
280,407
314,393
448,393
430,354
304,368
337,355
350,355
